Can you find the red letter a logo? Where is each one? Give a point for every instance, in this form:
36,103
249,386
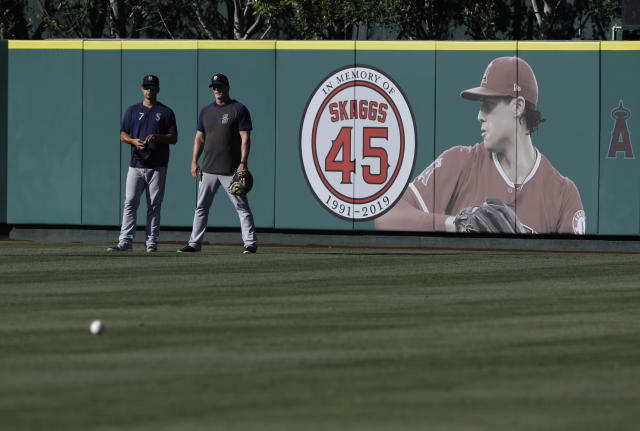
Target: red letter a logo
620,136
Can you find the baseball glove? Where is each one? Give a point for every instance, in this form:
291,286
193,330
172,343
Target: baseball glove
493,216
241,183
142,155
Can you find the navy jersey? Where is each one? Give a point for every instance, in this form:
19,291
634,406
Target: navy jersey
221,126
140,122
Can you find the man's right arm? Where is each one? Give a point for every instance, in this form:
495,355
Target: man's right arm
126,139
407,215
125,128
421,208
198,146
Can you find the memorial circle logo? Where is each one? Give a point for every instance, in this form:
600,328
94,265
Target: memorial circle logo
358,142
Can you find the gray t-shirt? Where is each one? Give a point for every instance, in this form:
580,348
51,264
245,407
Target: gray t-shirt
221,126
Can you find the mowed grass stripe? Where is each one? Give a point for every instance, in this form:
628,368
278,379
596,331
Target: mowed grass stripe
315,339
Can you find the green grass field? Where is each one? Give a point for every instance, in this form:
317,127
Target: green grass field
317,339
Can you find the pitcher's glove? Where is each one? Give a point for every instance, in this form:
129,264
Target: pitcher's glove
241,183
493,216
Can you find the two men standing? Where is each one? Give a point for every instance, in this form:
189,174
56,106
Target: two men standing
222,136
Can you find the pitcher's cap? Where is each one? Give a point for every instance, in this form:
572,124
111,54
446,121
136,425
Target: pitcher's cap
506,76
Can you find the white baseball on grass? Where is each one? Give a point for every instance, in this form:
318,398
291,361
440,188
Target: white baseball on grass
97,327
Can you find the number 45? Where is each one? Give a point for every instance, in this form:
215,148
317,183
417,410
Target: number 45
348,166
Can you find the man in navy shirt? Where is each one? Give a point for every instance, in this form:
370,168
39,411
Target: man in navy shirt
149,127
223,135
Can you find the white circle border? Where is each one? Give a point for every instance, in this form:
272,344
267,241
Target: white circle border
329,199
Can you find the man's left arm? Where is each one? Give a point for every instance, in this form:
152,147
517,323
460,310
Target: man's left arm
245,147
157,138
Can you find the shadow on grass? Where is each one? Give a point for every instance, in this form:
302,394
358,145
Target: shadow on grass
391,253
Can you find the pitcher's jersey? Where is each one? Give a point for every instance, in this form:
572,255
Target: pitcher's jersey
545,202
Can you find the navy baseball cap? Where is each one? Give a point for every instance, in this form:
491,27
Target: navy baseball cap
219,79
151,80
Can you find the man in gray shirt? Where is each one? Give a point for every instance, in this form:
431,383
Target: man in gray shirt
223,135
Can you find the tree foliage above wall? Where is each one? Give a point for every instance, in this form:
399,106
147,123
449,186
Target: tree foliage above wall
309,19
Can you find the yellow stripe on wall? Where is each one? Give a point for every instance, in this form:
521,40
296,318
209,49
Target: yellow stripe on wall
45,44
236,44
619,45
393,45
476,46
160,44
558,46
316,44
102,44
111,44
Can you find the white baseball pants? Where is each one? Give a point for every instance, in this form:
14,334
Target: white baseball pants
139,180
207,188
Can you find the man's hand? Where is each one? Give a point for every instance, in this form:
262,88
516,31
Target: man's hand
241,167
198,144
139,144
195,169
449,224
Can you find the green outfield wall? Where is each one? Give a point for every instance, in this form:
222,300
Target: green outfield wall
3,130
344,132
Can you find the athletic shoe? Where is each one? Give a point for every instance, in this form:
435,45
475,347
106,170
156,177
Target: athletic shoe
188,249
250,250
119,247
152,249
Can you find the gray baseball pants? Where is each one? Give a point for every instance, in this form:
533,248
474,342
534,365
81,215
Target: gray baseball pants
207,188
139,180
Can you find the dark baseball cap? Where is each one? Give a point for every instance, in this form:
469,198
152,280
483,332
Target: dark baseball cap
151,80
506,76
219,79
